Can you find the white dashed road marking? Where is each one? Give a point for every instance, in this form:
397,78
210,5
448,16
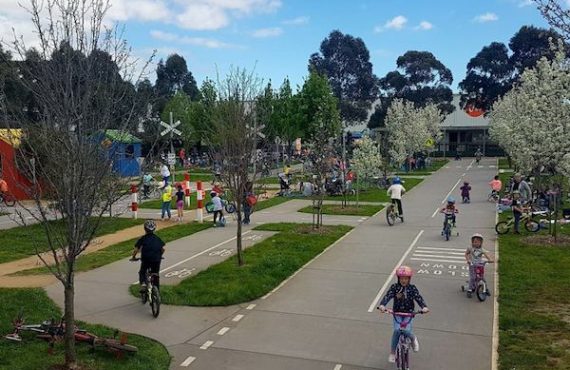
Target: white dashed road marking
188,361
207,344
338,367
223,330
250,307
237,318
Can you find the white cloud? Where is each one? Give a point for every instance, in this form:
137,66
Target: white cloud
424,26
485,18
196,41
267,32
296,21
396,23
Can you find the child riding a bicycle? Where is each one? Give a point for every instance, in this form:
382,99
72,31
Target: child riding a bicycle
496,185
405,295
395,192
474,256
450,209
151,248
465,192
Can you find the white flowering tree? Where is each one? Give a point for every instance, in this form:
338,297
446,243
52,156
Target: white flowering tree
410,128
366,160
532,121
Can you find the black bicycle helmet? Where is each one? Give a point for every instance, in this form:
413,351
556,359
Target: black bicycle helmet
149,226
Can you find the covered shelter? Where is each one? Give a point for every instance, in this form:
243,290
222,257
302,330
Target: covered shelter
124,149
20,186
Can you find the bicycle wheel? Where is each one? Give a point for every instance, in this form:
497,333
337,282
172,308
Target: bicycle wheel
532,226
502,227
481,291
390,215
144,296
155,301
230,208
447,232
9,200
117,345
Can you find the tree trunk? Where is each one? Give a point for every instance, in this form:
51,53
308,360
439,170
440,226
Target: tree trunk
69,319
239,239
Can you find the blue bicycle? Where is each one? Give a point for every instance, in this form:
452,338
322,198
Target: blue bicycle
448,226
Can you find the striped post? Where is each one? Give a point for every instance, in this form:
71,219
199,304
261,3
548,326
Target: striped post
135,203
187,192
199,198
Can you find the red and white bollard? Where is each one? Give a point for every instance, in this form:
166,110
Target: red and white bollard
199,198
135,202
187,192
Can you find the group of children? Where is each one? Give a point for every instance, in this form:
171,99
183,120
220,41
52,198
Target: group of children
405,295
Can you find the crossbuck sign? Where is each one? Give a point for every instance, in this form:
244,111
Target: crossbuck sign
170,128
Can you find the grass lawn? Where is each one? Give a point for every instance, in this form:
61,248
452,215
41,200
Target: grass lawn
373,194
124,249
436,164
333,209
267,264
271,202
32,353
21,242
534,325
503,163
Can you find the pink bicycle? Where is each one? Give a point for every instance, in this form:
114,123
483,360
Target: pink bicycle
404,341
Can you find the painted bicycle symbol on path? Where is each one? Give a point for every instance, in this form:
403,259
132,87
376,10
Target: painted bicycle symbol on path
180,273
253,237
221,253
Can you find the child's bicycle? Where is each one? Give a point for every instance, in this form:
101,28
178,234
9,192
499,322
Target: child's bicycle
448,226
404,342
465,199
527,219
481,288
53,332
392,214
8,199
493,196
151,294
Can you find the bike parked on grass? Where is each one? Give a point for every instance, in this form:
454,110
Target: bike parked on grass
53,332
527,219
404,341
151,294
480,284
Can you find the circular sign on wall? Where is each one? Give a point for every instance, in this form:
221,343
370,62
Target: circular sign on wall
473,111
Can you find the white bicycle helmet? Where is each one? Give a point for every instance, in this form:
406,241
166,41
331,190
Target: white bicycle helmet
149,226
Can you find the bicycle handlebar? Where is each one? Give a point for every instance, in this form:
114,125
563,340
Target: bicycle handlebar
402,314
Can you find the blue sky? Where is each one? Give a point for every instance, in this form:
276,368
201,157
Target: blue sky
278,36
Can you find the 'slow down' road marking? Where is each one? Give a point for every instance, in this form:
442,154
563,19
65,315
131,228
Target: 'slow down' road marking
433,260
188,361
207,344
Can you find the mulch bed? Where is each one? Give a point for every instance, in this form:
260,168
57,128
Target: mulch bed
547,241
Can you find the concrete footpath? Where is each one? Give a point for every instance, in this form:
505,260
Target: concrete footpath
324,317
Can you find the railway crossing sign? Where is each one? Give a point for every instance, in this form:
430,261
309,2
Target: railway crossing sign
170,128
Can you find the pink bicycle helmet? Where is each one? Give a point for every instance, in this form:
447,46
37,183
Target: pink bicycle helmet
404,271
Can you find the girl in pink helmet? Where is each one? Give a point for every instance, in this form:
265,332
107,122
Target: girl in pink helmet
405,295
